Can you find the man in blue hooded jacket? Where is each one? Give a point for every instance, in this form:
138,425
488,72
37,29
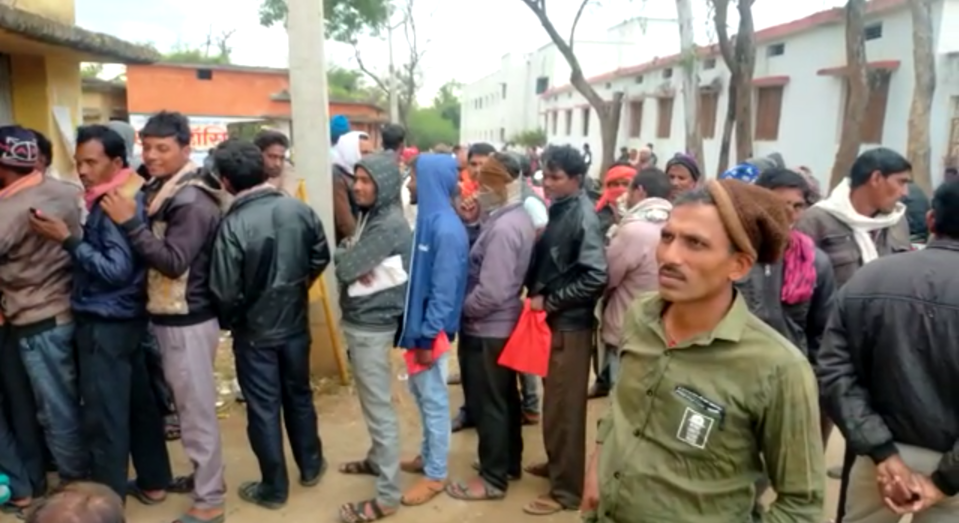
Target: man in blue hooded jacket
434,301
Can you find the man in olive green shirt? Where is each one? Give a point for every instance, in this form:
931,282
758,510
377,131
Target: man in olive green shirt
710,398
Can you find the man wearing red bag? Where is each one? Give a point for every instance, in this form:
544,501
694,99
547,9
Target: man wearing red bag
566,279
498,263
709,398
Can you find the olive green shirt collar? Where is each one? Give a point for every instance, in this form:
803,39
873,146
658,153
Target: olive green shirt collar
730,328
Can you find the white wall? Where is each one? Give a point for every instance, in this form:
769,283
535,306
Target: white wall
810,120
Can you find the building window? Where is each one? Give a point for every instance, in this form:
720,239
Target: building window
542,84
585,121
569,122
204,74
503,90
776,49
555,122
609,85
664,117
502,134
635,118
709,63
668,72
769,105
875,118
708,107
638,79
872,31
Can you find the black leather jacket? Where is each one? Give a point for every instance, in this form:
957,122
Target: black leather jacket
569,264
268,252
889,364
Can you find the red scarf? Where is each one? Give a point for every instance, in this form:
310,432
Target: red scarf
799,269
611,193
26,182
92,194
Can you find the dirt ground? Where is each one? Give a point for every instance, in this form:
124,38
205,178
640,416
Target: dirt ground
345,438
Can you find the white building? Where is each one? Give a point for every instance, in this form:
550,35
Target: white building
507,102
799,92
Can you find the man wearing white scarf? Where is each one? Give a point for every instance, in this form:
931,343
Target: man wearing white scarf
860,221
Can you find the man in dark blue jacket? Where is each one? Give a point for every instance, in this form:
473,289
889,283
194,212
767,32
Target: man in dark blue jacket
109,297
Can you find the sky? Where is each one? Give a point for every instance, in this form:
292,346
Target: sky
464,40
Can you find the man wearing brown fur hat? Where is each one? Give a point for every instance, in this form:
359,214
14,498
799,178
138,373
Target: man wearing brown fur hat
709,397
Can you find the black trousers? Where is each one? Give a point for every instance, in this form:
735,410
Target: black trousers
121,417
493,395
276,376
28,468
154,367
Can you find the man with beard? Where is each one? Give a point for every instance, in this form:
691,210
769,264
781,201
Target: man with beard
708,397
566,279
269,250
120,414
497,267
176,242
861,221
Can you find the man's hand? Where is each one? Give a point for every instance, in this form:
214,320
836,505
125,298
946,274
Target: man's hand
118,208
468,210
423,357
366,279
537,303
49,227
898,485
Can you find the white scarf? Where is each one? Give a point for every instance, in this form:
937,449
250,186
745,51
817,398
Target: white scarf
840,207
654,210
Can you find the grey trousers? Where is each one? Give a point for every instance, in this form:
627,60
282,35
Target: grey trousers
188,353
863,504
369,353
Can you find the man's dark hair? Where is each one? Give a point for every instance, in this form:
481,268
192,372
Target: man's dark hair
480,149
525,165
945,210
81,502
882,159
393,135
268,138
457,148
113,144
650,147
654,182
780,178
565,158
168,124
45,146
240,163
510,161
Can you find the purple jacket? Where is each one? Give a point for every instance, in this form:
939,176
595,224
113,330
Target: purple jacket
494,282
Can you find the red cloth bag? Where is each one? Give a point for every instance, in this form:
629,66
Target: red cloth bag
527,349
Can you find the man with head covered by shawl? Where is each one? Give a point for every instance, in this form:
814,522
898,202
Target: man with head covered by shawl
499,259
709,397
684,174
615,185
348,151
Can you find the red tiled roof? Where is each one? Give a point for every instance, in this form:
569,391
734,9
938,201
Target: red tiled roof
770,34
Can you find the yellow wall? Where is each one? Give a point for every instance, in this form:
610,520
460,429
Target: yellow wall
106,104
39,85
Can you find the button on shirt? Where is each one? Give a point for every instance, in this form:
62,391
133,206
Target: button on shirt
691,425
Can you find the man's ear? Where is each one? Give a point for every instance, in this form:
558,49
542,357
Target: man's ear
740,265
931,222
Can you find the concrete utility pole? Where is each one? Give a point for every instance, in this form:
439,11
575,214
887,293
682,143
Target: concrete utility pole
394,98
311,145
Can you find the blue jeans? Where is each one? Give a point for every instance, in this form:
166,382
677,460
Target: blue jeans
433,399
529,391
51,364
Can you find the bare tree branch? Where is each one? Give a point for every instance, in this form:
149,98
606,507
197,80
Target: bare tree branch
721,17
373,76
572,30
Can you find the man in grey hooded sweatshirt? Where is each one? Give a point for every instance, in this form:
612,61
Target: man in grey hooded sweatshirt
370,322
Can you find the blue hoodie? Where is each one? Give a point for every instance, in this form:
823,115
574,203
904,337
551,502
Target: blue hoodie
437,284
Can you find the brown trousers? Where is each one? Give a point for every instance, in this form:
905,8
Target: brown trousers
564,414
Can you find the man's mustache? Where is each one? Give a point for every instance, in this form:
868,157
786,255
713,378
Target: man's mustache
672,271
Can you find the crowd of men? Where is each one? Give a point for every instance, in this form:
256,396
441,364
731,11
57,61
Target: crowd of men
709,308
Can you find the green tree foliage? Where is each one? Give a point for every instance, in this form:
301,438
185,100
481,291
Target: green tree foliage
530,138
345,19
91,70
187,54
447,101
427,127
350,84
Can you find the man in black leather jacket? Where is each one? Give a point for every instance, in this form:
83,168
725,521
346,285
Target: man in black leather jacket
566,279
888,374
269,250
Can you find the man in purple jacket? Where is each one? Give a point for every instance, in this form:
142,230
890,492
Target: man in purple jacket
498,263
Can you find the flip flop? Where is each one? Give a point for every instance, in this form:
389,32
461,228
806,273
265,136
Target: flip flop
543,506
540,470
421,493
358,512
140,495
358,468
465,491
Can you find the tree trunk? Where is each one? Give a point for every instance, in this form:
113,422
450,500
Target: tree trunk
727,138
608,131
857,97
745,55
918,148
694,138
